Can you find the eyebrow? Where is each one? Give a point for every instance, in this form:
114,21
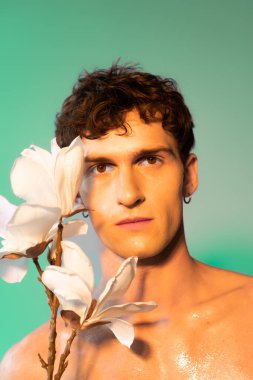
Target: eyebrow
135,155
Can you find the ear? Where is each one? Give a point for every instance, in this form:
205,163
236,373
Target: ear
190,183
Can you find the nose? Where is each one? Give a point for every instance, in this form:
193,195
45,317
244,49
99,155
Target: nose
129,191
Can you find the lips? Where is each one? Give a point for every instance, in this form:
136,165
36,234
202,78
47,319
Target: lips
131,221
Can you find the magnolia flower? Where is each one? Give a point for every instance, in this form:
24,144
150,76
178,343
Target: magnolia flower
49,179
26,231
25,234
7,272
73,285
7,210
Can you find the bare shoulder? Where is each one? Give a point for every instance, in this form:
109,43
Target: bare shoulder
14,363
227,283
22,359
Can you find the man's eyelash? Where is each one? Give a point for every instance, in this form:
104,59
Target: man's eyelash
94,167
148,157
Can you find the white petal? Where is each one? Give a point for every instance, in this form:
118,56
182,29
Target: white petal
12,245
118,285
13,270
7,210
78,204
77,142
74,228
72,304
83,190
72,292
118,311
41,156
69,168
31,180
32,223
53,232
76,261
122,330
55,149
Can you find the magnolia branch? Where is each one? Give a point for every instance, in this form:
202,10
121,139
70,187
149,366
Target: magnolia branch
82,209
52,339
54,309
54,305
39,217
58,251
48,292
37,264
63,364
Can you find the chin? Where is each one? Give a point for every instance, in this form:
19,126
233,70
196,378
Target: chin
137,250
143,247
148,253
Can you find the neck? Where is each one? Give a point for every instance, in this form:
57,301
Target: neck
169,278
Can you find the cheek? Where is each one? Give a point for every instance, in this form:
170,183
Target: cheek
101,207
167,202
84,191
91,194
167,192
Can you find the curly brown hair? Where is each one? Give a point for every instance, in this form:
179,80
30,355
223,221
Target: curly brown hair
101,99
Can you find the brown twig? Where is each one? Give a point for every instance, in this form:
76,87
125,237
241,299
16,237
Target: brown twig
54,305
54,308
75,212
40,271
63,364
37,264
42,361
50,303
58,251
52,339
48,293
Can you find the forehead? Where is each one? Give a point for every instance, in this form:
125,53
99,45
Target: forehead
141,136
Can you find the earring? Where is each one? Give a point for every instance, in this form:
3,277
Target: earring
187,200
85,214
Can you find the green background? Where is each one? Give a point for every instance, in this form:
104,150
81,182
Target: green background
205,45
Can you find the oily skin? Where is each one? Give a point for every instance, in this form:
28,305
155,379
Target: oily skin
202,328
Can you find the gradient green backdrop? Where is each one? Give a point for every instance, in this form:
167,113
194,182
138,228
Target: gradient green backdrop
205,45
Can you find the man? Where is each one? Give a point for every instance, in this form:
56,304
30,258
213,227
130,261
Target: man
138,135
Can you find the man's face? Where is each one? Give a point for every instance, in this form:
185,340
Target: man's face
133,188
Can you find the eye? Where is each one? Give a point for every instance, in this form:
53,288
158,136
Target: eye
151,160
101,168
